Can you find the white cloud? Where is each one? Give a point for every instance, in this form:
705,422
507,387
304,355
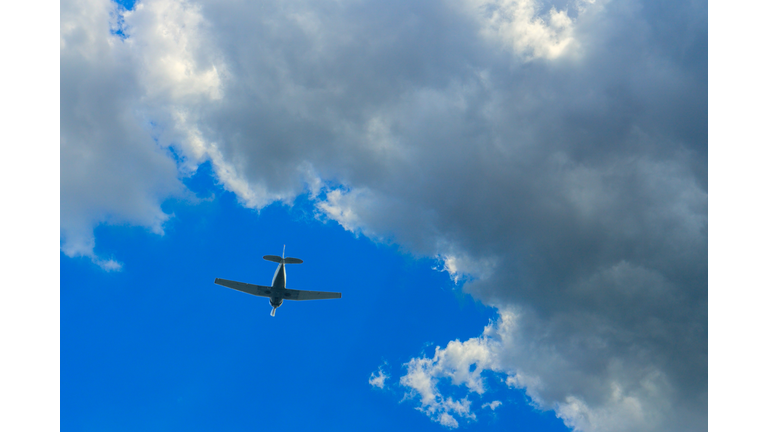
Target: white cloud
492,405
447,420
455,363
340,205
518,26
170,39
378,378
462,267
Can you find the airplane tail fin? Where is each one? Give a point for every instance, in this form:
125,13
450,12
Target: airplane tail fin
273,311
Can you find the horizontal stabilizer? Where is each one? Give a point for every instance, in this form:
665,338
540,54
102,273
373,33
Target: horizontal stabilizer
277,259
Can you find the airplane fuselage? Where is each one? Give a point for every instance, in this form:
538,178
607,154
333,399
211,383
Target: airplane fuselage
278,286
278,281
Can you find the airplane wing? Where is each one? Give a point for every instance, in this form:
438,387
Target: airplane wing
257,290
292,294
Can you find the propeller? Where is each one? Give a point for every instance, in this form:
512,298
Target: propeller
283,251
273,311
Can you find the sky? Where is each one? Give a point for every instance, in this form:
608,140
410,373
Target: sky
163,348
511,195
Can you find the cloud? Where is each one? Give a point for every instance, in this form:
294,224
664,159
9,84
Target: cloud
453,362
377,379
519,26
629,394
112,170
492,405
551,157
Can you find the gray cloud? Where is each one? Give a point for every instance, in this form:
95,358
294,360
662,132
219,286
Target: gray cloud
111,168
555,157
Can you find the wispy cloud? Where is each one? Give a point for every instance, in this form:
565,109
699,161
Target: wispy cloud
378,378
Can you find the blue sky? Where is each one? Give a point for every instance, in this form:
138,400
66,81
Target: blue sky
158,346
513,197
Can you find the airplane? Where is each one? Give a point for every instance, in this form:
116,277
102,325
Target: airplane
278,292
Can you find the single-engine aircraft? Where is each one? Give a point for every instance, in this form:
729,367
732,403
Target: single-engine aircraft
278,292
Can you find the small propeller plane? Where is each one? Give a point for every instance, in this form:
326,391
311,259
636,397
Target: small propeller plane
278,292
